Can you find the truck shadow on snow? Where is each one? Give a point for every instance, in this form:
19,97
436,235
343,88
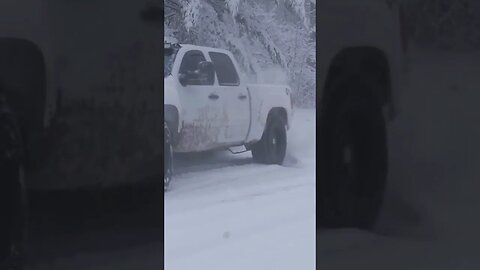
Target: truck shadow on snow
205,161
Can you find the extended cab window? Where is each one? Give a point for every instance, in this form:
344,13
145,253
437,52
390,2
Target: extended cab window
226,73
189,65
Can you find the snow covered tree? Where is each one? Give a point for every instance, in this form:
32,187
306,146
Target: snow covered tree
273,40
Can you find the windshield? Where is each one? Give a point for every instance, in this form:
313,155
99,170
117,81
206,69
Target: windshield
169,58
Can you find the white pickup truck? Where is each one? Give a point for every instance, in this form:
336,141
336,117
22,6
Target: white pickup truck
207,106
72,93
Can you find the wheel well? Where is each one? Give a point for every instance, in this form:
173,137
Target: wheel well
278,112
368,64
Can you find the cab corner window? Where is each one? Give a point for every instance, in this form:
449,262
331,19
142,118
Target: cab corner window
226,73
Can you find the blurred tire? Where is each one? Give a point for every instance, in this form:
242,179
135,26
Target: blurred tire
167,158
271,148
13,196
353,158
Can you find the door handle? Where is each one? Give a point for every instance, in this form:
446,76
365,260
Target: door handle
213,96
242,96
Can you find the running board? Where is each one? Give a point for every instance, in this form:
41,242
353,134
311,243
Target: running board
244,149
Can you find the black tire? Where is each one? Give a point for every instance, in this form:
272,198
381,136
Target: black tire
353,159
13,199
167,158
272,146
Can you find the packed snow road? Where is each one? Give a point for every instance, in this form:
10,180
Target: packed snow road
225,212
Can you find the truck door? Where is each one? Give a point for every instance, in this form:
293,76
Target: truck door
236,105
201,108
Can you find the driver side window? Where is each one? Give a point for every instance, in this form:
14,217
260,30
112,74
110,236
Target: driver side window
189,67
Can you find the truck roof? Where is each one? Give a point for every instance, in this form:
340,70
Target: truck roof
203,48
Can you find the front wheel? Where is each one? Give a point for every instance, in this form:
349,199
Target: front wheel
353,162
272,147
167,157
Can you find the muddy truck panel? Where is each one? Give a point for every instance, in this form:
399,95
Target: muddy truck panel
83,78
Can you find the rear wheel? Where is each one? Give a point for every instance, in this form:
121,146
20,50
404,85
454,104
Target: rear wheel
353,160
167,157
272,147
13,201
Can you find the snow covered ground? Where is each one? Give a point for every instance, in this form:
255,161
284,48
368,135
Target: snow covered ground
226,212
353,249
